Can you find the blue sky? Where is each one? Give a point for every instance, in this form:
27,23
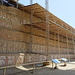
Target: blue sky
63,9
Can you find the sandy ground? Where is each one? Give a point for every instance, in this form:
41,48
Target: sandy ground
47,70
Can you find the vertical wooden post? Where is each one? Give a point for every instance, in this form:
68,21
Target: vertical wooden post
31,15
31,21
64,52
33,67
58,42
73,44
2,2
67,47
63,45
2,7
55,45
64,63
17,4
47,28
23,16
52,64
4,71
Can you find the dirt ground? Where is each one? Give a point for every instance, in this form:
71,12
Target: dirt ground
47,70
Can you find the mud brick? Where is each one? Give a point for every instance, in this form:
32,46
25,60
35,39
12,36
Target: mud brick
37,57
38,48
1,22
28,58
33,58
9,46
42,58
39,40
11,60
38,32
2,60
14,35
25,28
3,46
28,37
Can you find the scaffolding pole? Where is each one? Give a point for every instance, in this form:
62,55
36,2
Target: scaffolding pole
47,26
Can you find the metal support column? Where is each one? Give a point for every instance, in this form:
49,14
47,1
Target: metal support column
47,27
